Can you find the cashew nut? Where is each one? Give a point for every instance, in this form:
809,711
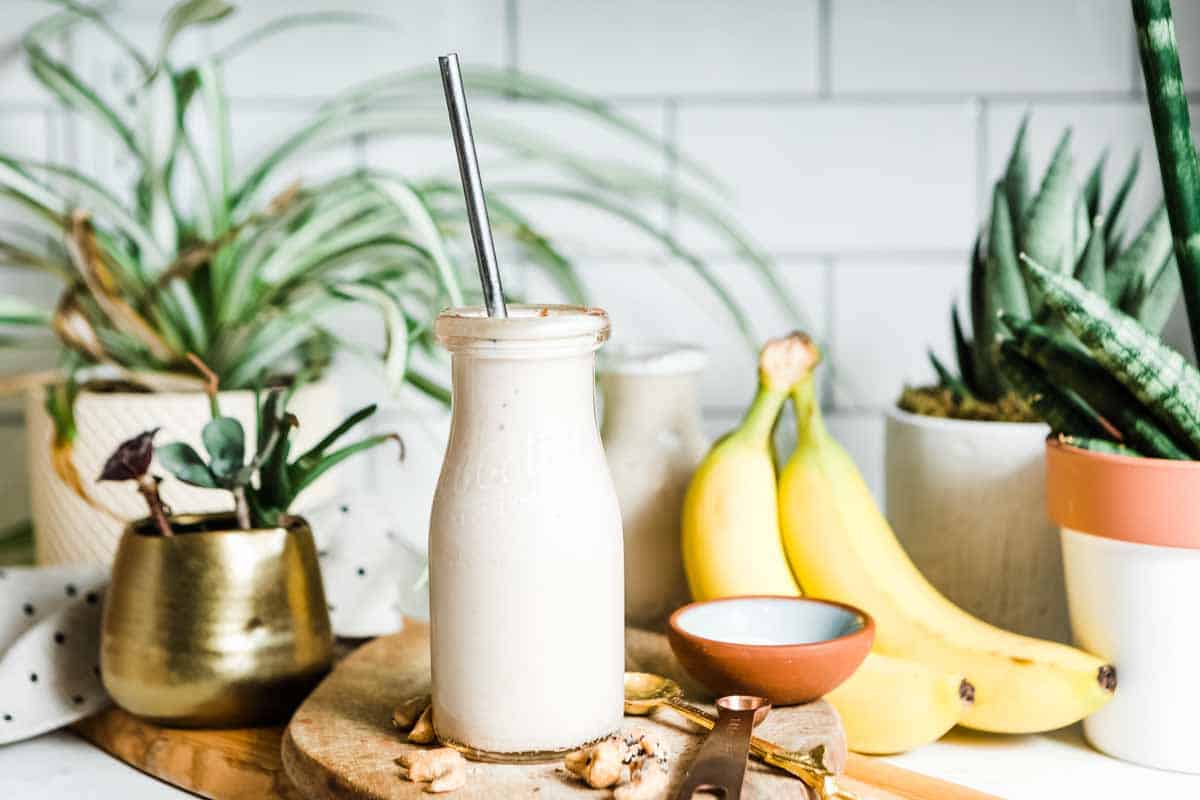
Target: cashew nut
422,732
408,712
600,765
444,768
648,781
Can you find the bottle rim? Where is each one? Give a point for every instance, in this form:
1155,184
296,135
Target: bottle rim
528,326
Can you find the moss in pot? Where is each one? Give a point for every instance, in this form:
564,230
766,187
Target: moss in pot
221,619
965,460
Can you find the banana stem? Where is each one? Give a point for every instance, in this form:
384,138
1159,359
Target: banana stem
760,418
808,410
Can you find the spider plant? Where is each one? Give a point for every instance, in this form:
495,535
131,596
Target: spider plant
244,276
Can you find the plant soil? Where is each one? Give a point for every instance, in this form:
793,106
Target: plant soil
938,401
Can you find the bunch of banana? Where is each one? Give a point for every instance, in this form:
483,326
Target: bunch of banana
730,518
829,535
840,547
732,545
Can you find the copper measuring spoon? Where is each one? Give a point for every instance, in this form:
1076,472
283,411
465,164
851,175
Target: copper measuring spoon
720,765
646,691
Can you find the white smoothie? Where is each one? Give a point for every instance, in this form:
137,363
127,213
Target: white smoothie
654,440
525,547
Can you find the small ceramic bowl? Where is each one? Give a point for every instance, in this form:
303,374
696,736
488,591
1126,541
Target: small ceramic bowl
790,650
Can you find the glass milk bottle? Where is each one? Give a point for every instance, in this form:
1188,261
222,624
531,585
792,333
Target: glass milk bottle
654,440
525,549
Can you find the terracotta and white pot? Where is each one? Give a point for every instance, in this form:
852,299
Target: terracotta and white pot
967,500
68,530
1131,549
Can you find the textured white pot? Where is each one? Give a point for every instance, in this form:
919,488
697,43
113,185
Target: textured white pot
68,530
1135,605
968,501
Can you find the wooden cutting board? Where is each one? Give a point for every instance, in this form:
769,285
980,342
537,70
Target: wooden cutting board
247,763
341,745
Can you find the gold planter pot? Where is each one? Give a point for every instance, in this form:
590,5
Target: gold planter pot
214,626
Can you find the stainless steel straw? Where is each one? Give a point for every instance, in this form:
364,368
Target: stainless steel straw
468,168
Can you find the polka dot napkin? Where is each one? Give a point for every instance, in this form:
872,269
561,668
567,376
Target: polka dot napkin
50,616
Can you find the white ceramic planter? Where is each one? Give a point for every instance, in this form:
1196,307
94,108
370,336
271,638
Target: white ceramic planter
1135,605
1131,550
68,530
967,500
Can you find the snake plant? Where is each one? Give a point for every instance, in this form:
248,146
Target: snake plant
1069,229
245,278
1105,381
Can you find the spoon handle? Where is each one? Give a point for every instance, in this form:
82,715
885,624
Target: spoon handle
808,767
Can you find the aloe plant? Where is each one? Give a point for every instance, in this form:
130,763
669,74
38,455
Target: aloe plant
246,280
1067,228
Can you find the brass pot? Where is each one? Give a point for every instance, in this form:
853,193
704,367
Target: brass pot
214,626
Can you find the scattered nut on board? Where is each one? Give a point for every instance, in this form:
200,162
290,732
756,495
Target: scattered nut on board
632,762
408,712
444,768
422,732
647,781
600,765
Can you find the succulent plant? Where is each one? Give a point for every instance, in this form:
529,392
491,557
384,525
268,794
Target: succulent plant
1066,228
1098,372
246,276
261,503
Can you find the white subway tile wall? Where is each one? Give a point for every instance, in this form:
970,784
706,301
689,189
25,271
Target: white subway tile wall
859,140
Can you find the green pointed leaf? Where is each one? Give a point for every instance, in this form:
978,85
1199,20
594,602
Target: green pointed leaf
1090,268
962,348
1141,259
1003,291
948,379
1017,181
225,442
1093,186
395,358
186,14
303,476
1113,219
1059,410
1155,303
17,311
1049,223
186,464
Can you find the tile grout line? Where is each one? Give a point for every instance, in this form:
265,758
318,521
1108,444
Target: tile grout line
512,20
828,396
825,49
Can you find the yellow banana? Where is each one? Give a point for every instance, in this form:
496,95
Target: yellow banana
840,547
730,521
893,705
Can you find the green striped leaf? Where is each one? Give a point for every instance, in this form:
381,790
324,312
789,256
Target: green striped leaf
1158,376
1060,411
1070,368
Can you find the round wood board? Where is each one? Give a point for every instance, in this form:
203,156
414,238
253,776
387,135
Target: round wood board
341,745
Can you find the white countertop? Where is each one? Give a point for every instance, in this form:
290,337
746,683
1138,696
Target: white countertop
1047,767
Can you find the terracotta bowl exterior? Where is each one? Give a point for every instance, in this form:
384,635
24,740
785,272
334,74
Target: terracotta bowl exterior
785,674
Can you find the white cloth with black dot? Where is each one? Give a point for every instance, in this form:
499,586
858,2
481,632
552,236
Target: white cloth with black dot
50,616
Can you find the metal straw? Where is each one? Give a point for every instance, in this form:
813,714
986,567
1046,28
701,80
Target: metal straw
468,168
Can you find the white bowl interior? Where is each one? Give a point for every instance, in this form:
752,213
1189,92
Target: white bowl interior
768,621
